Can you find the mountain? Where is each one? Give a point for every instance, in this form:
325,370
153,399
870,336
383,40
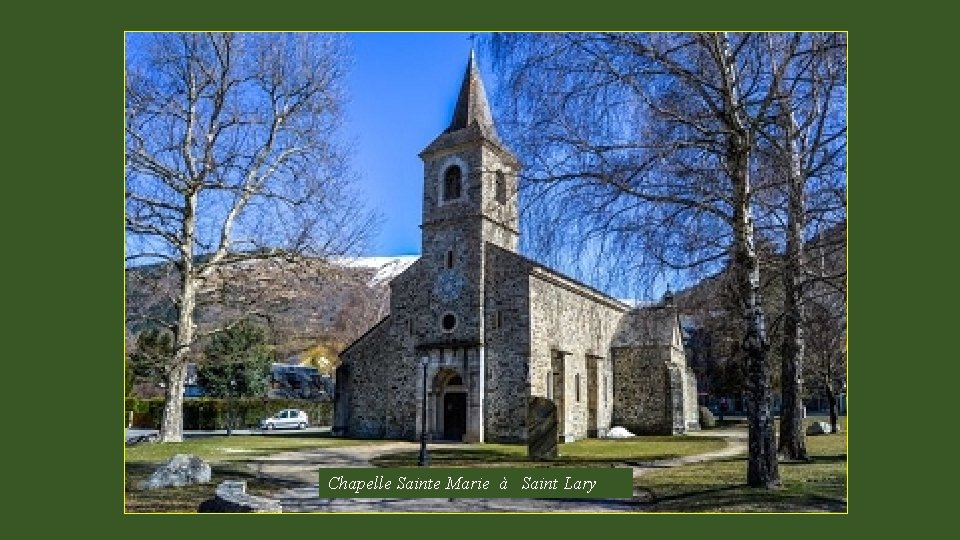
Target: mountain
309,306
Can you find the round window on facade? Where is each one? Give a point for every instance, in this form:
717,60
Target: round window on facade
448,322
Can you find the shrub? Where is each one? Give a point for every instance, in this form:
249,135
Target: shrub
209,413
706,418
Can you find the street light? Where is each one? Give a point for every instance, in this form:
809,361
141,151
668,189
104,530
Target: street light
424,458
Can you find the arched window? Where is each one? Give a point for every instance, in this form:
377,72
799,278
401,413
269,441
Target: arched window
501,186
452,179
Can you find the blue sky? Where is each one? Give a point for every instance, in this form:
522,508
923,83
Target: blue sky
402,88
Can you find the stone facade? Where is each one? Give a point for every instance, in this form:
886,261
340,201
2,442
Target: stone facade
481,329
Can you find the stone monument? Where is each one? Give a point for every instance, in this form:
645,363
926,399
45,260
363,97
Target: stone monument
542,426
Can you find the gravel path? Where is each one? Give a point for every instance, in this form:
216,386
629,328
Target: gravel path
736,445
301,467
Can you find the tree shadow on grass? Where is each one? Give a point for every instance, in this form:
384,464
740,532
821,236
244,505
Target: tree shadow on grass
715,487
739,498
494,457
451,457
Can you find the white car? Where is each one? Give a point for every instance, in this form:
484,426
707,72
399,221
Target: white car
287,418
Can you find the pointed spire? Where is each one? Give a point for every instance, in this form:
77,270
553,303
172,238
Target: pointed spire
472,106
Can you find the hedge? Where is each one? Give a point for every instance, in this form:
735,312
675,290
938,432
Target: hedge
210,413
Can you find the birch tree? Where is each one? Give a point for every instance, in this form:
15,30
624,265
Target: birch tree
645,146
806,137
232,156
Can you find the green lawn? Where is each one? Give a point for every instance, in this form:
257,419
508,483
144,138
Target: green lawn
236,448
720,486
584,452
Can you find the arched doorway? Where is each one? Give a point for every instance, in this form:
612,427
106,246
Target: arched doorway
451,405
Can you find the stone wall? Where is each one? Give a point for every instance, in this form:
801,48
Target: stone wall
572,326
507,333
654,391
691,406
378,393
641,383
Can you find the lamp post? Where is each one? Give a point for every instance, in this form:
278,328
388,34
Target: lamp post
424,457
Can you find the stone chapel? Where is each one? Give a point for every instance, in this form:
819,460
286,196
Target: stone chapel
492,328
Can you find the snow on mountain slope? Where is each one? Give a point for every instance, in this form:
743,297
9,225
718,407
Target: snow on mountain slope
386,268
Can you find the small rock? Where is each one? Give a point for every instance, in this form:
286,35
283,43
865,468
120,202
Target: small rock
139,439
231,496
181,470
619,432
819,428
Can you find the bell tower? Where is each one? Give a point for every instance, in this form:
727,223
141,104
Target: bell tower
469,199
470,177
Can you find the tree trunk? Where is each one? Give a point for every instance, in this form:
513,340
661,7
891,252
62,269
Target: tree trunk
172,428
832,400
793,443
762,469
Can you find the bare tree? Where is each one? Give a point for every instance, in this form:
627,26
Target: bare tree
646,147
826,317
805,139
232,155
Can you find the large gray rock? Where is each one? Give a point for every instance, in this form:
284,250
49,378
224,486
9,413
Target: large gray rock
819,428
232,496
181,470
542,429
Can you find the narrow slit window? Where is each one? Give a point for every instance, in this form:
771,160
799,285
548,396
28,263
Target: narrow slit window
501,187
449,262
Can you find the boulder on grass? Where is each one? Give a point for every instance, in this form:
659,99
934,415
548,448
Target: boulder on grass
181,470
819,428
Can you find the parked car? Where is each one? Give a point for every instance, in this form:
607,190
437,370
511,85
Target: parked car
287,418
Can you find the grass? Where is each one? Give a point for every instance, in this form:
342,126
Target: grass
236,448
228,458
584,452
720,486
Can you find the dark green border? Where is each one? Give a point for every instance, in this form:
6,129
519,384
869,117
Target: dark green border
63,232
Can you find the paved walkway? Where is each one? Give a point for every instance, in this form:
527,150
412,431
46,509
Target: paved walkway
301,467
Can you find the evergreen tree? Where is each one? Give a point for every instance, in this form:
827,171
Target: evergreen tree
239,355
